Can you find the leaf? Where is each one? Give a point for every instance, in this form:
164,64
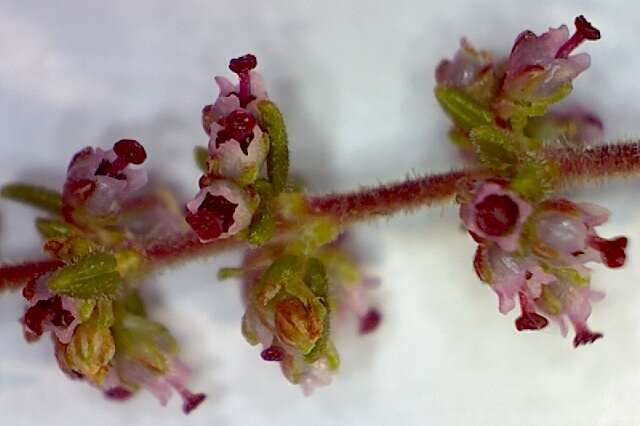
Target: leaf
463,110
263,224
92,276
34,196
278,159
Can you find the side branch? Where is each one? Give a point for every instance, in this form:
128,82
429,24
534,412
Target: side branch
368,203
602,161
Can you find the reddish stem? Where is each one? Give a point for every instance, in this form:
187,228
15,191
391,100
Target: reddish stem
601,161
15,276
388,199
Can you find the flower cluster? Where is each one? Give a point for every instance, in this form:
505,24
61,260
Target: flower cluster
531,245
291,302
88,303
538,253
241,130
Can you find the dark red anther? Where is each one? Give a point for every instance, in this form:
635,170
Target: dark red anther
29,290
118,393
238,125
192,401
612,251
497,215
585,336
529,320
214,217
130,150
243,64
370,321
273,353
584,31
479,263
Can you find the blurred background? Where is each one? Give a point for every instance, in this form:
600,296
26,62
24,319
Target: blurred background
354,80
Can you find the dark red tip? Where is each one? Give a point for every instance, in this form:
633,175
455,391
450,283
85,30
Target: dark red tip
370,321
584,27
243,64
118,393
273,353
130,150
531,321
497,215
585,336
612,251
192,401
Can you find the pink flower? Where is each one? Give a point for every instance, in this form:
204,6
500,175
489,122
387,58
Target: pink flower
496,214
539,66
467,67
547,273
219,210
237,147
99,181
48,312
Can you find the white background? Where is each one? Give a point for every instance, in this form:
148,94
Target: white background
354,80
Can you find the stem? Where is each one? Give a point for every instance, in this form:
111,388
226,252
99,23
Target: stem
576,164
367,203
598,162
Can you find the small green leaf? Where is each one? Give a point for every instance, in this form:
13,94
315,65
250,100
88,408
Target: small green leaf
262,226
278,159
52,228
316,277
92,276
35,196
463,110
226,273
201,156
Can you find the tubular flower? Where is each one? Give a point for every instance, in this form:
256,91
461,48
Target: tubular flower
219,210
98,181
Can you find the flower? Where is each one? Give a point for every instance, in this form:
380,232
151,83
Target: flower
99,181
496,214
219,210
540,66
238,147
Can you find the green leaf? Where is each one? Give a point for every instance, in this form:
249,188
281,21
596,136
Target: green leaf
316,277
92,276
262,226
201,156
35,196
278,158
463,110
52,228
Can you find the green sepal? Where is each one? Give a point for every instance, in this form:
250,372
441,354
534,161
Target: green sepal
201,157
463,110
278,159
52,228
316,277
496,148
34,196
263,224
93,276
